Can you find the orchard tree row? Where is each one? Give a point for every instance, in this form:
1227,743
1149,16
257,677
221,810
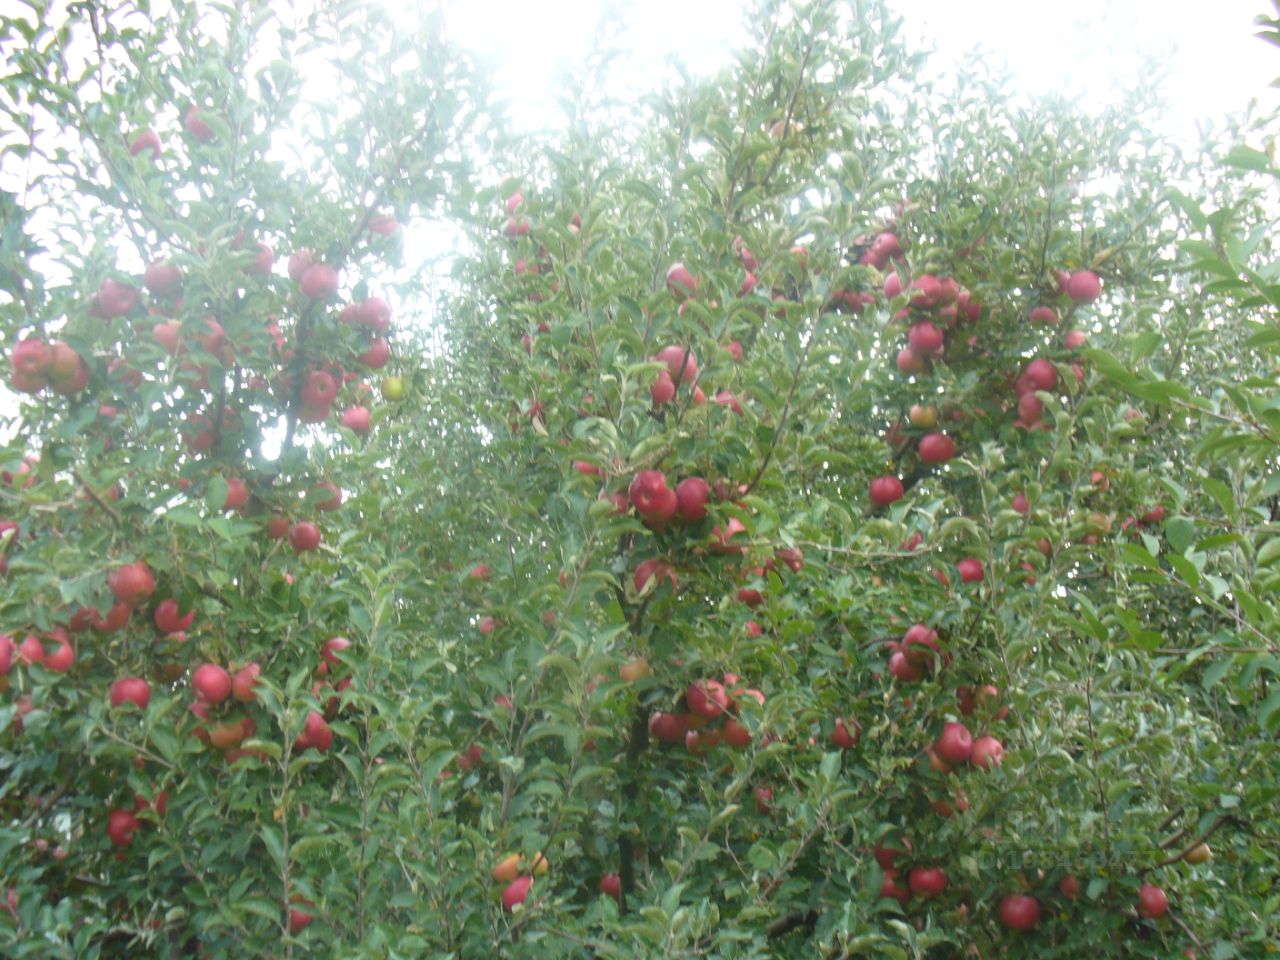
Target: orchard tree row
823,511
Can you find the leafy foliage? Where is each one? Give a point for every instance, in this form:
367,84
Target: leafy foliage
570,720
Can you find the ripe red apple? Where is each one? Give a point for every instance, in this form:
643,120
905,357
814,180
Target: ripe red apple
611,886
263,261
168,618
332,648
62,658
987,752
6,653
1152,902
237,496
892,285
667,727
304,536
121,826
891,889
1153,516
114,299
1069,887
319,282
920,645
846,735
315,733
131,583
735,734
244,680
147,140
162,278
886,490
1021,504
682,364
692,494
910,362
356,420
1075,339
707,698
211,683
1040,374
926,882
1043,316
196,126
928,291
377,355
936,448
924,338
751,597
955,744
1083,286
681,282
1019,912
903,669
515,893
653,499
299,919
970,570
663,389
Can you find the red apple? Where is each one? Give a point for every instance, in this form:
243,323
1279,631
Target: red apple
304,536
162,278
891,889
315,733
926,882
681,282
903,669
653,499
356,420
987,752
131,583
1069,887
846,735
1083,286
244,680
910,362
936,448
147,140
692,494
707,698
970,570
1152,902
196,126
611,886
924,338
1019,912
121,826
682,364
955,744
1040,374
886,490
319,282
515,893
1044,316
211,683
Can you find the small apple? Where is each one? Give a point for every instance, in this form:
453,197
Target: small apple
1200,853
146,140
516,892
393,388
926,882
121,826
955,743
925,417
304,536
886,490
1019,912
1152,902
356,420
211,683
692,494
846,735
681,282
319,282
987,752
611,886
936,448
970,570
195,125
1083,286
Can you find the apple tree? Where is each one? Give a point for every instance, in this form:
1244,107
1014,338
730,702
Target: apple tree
824,510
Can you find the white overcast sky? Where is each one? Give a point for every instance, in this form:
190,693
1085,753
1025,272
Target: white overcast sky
1089,48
